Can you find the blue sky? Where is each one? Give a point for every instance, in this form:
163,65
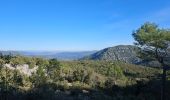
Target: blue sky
75,25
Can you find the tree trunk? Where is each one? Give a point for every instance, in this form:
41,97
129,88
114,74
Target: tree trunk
163,84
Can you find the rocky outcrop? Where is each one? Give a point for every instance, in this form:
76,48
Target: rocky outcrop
126,53
23,69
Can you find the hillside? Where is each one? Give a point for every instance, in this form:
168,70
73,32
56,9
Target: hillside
125,53
76,80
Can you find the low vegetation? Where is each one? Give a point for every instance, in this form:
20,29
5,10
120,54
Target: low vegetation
69,80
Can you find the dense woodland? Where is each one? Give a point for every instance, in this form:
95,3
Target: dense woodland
91,79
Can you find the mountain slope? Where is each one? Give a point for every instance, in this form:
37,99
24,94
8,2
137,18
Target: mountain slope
126,53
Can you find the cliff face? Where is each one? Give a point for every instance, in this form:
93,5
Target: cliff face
126,53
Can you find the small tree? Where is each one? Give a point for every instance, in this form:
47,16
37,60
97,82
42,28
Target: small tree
153,44
17,60
42,62
2,62
114,70
53,65
40,77
7,58
1,55
17,79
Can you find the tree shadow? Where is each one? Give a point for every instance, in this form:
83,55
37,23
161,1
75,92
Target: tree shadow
150,90
141,91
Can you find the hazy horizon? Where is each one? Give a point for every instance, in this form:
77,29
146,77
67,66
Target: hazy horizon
69,50
52,50
75,25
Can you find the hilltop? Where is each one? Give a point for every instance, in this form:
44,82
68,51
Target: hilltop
125,53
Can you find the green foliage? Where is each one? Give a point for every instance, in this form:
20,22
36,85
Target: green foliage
17,78
11,79
110,82
76,79
41,62
39,78
152,41
150,35
31,62
114,70
80,85
17,60
6,58
79,74
53,66
2,62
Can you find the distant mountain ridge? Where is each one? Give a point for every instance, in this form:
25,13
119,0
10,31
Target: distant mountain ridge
126,53
65,55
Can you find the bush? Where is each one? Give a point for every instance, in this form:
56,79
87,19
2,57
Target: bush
114,71
82,74
17,60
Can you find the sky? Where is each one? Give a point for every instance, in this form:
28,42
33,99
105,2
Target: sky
76,25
